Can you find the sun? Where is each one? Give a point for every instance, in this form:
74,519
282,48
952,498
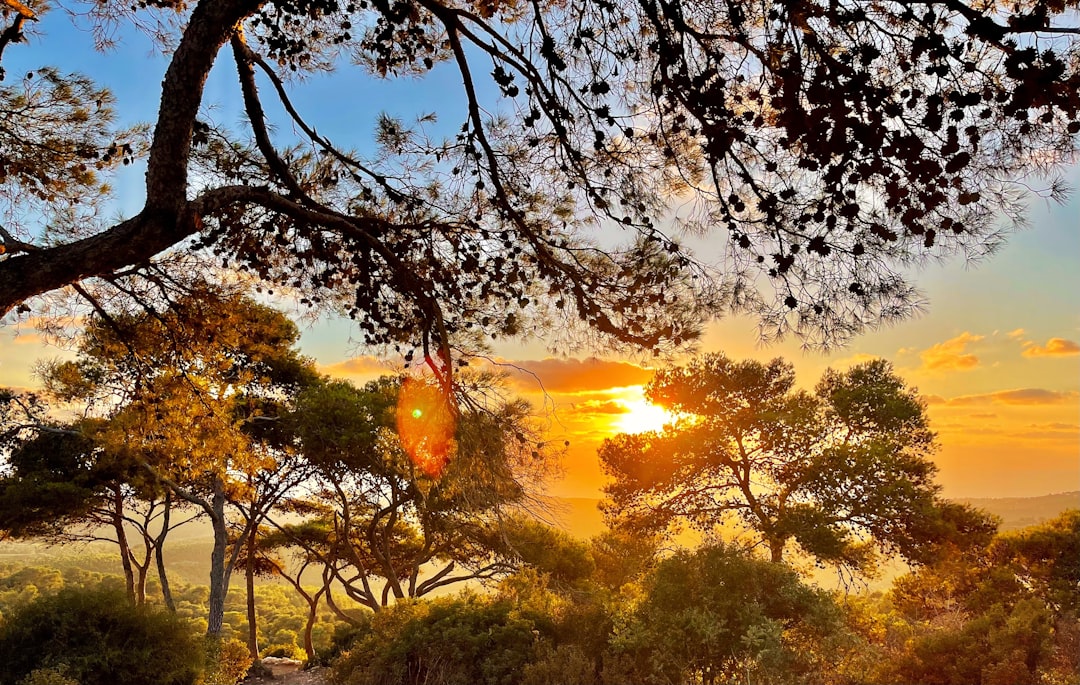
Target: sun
642,417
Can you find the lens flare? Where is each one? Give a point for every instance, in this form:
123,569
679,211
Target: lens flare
425,426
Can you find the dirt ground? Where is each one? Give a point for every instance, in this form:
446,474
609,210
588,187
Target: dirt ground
291,675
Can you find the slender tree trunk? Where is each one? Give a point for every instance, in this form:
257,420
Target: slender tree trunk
218,580
249,575
159,557
122,541
313,611
141,571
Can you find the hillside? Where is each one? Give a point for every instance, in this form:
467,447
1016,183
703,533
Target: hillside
581,517
1021,512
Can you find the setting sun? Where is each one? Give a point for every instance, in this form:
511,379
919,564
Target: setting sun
642,417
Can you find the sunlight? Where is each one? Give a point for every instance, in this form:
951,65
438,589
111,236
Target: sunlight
642,417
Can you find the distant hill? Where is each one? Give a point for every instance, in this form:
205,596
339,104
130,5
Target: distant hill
581,517
1021,512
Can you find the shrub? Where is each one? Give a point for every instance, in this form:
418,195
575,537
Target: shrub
227,661
49,676
96,637
465,640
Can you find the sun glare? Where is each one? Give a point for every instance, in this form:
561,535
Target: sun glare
642,417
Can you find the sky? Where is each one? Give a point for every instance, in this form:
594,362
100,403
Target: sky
996,354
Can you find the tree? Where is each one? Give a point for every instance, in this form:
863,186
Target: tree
834,142
180,393
393,517
1004,612
832,471
713,615
60,486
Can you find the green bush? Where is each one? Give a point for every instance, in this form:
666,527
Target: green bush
49,676
465,640
96,637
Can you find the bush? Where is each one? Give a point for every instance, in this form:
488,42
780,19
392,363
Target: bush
465,640
96,637
49,676
227,661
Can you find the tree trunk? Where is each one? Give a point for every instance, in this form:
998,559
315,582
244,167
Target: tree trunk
313,610
140,580
122,541
218,579
249,575
776,550
159,557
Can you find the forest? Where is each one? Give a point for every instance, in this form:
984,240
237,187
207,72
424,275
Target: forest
449,183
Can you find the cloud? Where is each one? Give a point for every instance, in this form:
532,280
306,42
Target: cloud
951,355
1053,431
27,338
1055,347
1056,426
364,366
983,415
601,407
577,375
1021,396
1017,333
935,399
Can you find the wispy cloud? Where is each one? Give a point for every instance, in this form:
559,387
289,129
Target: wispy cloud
1054,347
1021,396
365,366
601,407
951,355
576,375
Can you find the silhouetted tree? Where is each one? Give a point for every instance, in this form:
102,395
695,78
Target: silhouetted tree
833,142
834,471
390,524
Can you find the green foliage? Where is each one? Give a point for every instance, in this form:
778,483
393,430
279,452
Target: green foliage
1047,558
100,639
48,676
718,613
465,640
564,665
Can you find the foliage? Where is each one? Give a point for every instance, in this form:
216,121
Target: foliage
98,638
833,142
831,470
48,676
447,641
1004,613
227,661
715,614
181,395
385,526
